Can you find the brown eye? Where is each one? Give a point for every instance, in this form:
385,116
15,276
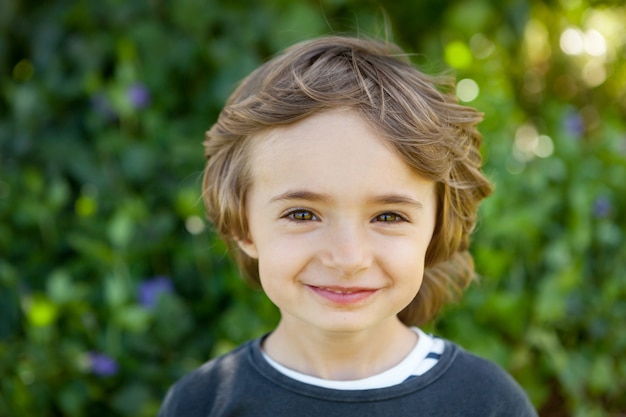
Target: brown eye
301,215
388,218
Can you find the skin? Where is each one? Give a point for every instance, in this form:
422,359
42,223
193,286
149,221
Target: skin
340,225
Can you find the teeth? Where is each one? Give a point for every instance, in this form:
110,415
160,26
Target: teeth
338,291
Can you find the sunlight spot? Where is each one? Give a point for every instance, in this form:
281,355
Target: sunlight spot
481,46
467,90
572,41
594,73
544,147
595,44
194,225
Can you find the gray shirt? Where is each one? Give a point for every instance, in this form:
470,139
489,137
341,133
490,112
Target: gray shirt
242,383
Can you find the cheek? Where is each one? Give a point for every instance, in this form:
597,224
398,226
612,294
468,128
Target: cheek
279,259
269,277
408,249
407,261
278,272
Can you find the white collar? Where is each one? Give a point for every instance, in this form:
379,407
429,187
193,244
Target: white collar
393,376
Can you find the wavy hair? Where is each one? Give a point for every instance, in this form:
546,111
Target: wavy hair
416,113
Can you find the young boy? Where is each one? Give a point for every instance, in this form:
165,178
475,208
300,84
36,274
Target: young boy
348,183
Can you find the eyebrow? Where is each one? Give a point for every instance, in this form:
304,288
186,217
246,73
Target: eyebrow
389,199
301,195
384,199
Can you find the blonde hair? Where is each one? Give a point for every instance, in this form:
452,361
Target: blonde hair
416,113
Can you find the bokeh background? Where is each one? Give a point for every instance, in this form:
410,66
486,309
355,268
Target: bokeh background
112,284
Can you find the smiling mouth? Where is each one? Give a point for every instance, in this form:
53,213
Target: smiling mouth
341,295
343,290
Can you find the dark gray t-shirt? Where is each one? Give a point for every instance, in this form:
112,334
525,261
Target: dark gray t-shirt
242,383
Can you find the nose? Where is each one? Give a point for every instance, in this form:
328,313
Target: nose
347,249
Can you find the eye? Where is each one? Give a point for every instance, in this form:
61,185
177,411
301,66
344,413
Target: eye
389,218
301,215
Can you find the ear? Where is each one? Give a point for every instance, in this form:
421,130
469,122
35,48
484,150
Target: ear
248,247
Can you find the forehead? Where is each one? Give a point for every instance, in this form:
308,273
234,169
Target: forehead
332,127
337,151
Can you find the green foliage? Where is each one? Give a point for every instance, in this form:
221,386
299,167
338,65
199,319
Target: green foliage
112,285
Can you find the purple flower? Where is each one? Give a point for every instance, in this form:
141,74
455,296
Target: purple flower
138,95
602,207
102,365
574,124
150,290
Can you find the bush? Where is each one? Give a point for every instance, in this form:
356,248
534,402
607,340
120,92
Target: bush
112,285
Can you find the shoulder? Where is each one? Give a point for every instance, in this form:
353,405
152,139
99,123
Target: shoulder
479,382
470,367
196,390
221,368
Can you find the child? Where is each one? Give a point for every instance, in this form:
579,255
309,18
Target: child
348,183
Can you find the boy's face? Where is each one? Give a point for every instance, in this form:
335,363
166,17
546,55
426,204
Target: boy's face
339,223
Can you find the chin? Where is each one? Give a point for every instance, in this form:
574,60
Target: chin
347,323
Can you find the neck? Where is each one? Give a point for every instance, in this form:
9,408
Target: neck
338,355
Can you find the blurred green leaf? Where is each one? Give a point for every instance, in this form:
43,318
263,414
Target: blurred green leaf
117,291
170,309
132,318
73,398
121,230
129,400
60,288
100,190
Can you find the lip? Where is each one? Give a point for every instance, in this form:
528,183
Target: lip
343,295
